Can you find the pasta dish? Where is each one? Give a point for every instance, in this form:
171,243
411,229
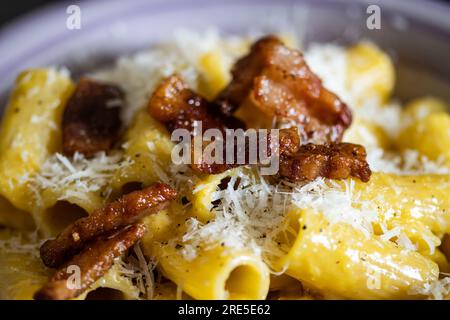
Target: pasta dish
140,181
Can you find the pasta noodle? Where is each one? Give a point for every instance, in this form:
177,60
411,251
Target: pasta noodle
367,268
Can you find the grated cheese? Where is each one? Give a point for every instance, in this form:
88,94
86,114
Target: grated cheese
139,270
339,206
252,216
24,243
436,290
77,176
409,162
246,218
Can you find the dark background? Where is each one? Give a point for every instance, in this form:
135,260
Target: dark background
10,9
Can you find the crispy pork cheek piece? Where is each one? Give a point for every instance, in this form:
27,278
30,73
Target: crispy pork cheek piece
129,209
178,107
289,141
299,163
334,161
213,168
288,144
93,261
278,82
91,119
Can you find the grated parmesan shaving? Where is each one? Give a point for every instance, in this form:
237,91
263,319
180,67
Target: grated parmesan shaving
246,218
409,162
337,204
77,176
436,290
139,74
139,271
24,243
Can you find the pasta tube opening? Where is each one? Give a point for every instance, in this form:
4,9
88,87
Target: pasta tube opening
243,282
105,294
60,215
216,273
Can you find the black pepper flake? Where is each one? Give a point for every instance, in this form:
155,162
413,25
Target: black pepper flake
178,246
304,227
222,244
184,201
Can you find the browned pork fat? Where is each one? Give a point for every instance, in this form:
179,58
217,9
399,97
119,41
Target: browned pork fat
334,161
129,209
91,120
289,143
93,262
240,155
178,107
300,163
278,82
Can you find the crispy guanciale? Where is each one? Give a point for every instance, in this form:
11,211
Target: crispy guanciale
278,82
241,155
288,143
128,209
93,262
178,107
334,161
91,119
300,163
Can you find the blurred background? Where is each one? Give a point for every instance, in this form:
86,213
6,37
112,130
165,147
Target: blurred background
12,9
416,33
